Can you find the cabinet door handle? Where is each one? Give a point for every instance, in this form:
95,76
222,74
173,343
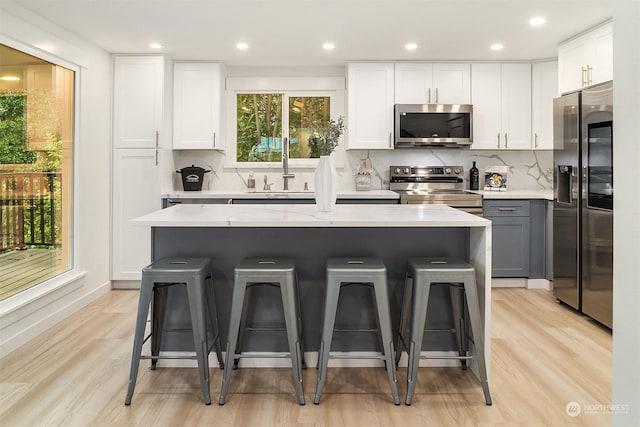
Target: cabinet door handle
589,75
429,96
157,139
507,209
214,140
535,138
498,139
156,157
506,140
436,95
583,80
390,140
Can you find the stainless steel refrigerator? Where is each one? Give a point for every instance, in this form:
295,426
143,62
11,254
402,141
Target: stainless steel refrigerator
583,201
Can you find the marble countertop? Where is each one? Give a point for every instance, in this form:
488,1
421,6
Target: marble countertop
516,194
308,216
346,194
239,194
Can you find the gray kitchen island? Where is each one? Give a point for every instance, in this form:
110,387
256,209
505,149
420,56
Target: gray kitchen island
393,233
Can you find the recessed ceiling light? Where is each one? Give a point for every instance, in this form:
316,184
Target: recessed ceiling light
411,46
537,21
242,46
155,45
10,78
328,46
496,46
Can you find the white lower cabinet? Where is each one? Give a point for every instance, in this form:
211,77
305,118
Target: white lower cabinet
501,98
136,192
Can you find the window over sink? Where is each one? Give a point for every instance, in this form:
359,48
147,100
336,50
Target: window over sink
263,120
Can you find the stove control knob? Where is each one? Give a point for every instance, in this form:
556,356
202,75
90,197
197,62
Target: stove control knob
456,171
407,171
396,171
447,171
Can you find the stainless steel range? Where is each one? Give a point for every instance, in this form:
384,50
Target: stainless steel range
434,185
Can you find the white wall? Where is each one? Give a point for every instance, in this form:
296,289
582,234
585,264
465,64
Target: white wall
626,221
25,317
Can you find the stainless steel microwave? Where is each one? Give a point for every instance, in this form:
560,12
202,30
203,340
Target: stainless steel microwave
433,125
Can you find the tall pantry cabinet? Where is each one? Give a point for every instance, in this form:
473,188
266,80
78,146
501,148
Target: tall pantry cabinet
142,103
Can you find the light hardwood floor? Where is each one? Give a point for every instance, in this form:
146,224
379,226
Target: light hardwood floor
543,357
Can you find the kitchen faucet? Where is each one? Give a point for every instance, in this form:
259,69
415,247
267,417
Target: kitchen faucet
285,163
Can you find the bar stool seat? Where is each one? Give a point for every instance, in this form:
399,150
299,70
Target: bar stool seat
276,272
363,271
156,278
459,276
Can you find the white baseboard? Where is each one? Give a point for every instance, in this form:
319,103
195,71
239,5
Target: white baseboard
125,284
511,282
539,284
61,309
520,282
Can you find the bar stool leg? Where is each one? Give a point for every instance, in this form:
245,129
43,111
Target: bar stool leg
288,291
196,308
384,323
420,301
404,316
328,323
299,318
213,318
243,322
144,301
471,293
237,303
456,293
158,309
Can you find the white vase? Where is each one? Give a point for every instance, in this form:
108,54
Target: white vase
326,185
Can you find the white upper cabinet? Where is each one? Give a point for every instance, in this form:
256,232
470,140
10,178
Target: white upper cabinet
501,98
586,60
516,106
198,89
432,83
544,88
370,103
140,101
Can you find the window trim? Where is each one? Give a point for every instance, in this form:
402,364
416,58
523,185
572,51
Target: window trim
332,87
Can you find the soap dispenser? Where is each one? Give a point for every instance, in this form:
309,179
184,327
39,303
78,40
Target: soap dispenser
251,183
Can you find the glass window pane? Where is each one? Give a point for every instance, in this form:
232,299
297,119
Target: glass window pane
259,127
307,115
36,175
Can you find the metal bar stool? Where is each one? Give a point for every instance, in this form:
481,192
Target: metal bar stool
364,271
276,272
460,277
156,277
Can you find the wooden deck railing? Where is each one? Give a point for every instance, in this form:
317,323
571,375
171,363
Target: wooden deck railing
29,205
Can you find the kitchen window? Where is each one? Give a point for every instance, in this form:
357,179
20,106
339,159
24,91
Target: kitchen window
36,170
265,120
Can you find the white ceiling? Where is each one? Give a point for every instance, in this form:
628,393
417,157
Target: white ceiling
291,32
